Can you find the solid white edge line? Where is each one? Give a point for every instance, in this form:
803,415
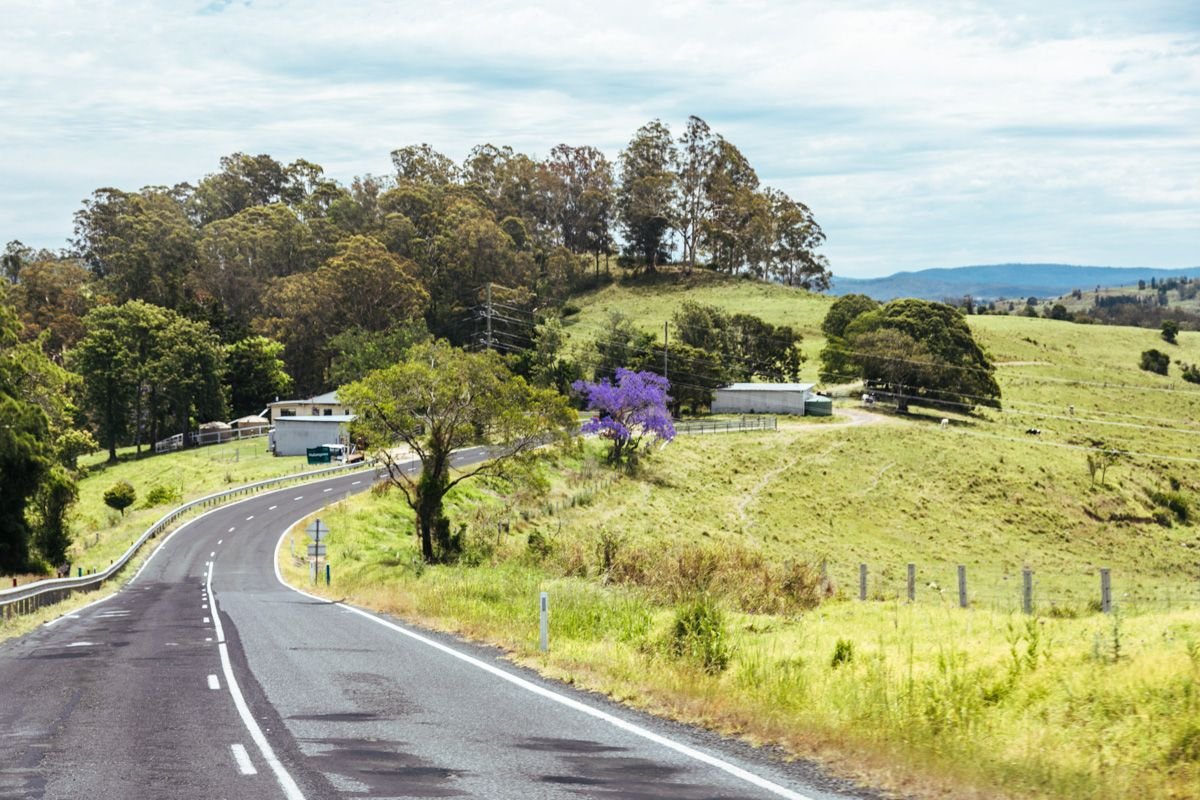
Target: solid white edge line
286,782
213,683
571,703
245,766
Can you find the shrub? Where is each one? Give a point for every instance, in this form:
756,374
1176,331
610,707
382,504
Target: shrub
120,496
1191,372
699,635
1155,361
162,495
1170,330
1175,502
843,653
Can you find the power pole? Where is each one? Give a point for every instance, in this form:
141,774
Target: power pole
488,341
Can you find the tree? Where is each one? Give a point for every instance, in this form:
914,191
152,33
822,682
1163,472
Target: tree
51,505
255,373
53,296
107,363
420,163
1170,331
586,210
845,310
120,496
693,162
1155,361
627,412
646,191
439,400
1058,311
932,356
620,344
355,352
748,346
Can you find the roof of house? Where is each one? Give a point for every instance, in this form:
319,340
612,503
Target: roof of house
329,398
767,387
327,418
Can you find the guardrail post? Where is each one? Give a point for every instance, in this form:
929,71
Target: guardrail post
962,586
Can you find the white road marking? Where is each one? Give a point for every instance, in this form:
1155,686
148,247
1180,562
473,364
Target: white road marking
561,699
110,614
206,620
272,508
301,497
208,638
286,781
82,644
231,530
330,489
204,605
243,760
219,541
249,518
355,483
212,554
213,683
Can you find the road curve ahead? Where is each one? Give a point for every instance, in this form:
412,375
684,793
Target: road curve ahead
206,677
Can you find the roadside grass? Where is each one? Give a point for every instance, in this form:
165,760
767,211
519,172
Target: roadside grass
102,534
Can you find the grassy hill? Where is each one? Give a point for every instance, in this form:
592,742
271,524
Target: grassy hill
769,529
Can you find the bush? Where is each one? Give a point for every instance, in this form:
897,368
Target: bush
162,495
699,635
1155,361
120,496
1170,330
1191,372
1175,502
843,653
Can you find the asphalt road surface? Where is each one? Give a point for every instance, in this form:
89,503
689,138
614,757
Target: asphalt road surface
206,677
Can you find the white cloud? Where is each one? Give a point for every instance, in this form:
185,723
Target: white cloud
921,135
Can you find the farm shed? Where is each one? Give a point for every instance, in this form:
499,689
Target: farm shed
321,405
294,435
762,398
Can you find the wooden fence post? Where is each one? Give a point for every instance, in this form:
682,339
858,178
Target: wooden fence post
862,581
1105,591
912,582
962,586
1027,590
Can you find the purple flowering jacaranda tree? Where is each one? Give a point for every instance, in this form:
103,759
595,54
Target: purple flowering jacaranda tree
628,411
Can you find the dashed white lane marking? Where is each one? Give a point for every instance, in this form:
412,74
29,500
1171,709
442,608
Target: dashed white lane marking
213,683
111,614
212,554
82,644
206,620
208,638
231,530
286,781
355,483
249,518
301,497
243,760
204,605
330,489
219,541
272,508
561,699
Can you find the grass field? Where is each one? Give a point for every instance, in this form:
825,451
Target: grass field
102,534
923,698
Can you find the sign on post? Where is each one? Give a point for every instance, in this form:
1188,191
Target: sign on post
316,551
317,531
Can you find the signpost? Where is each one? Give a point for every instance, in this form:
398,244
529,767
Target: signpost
317,531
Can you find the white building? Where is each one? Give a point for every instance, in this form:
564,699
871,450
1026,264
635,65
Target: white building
763,398
293,436
322,405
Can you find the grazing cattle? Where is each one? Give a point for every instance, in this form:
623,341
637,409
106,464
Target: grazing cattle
1034,431
945,423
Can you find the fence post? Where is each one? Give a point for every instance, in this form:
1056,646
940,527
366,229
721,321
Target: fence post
862,581
544,623
912,582
962,586
1105,591
1027,590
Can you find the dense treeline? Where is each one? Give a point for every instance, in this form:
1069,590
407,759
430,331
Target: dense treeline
174,305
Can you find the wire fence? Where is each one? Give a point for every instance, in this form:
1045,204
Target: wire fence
1024,591
30,597
763,423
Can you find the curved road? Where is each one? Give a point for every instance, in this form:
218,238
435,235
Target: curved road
206,677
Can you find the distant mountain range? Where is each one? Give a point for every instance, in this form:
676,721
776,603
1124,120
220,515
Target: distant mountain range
993,281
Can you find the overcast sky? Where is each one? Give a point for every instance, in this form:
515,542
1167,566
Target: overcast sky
921,135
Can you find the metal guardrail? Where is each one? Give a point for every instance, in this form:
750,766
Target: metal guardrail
32,596
727,425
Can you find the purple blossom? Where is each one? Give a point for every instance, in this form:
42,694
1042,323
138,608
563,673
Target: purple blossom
634,407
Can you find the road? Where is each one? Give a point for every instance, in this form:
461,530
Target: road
206,677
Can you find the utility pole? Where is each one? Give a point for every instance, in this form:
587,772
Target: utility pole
488,341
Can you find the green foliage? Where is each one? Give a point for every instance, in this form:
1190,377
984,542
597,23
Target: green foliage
1174,501
355,352
746,346
1170,331
162,495
1155,361
844,311
442,399
1190,372
700,635
55,497
256,374
843,653
120,496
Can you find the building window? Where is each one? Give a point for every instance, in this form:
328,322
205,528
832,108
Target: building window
329,412
287,412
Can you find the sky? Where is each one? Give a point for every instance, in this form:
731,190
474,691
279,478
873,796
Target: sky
933,134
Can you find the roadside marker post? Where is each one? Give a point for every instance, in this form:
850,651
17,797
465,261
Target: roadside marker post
912,582
317,531
544,623
1105,591
1027,590
962,586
